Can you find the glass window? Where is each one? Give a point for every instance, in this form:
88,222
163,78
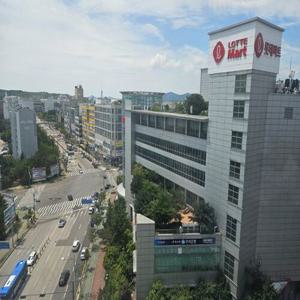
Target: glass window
236,140
193,128
238,109
240,83
180,126
169,124
231,225
144,119
233,194
160,122
235,169
288,112
203,132
151,121
228,265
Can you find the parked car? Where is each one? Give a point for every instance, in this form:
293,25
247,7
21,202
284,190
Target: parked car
84,253
61,223
91,210
75,246
70,197
64,277
32,258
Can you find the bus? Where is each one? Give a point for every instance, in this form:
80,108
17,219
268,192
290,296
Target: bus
14,282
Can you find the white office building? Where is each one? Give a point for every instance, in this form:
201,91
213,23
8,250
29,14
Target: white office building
243,158
23,132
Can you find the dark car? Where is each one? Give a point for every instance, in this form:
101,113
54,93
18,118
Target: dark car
64,277
61,223
70,197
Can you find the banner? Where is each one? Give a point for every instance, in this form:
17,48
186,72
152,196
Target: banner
54,170
38,174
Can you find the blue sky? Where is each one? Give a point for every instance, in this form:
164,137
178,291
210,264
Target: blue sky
114,45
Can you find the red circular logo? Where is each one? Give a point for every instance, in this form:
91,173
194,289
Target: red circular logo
219,52
259,45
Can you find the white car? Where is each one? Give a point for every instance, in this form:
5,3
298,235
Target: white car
84,253
75,246
32,258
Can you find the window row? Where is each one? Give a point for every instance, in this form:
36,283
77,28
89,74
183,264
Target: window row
108,110
188,127
233,194
229,265
236,140
235,169
103,132
172,165
174,148
231,226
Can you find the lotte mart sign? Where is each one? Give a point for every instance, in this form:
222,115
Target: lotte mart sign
238,49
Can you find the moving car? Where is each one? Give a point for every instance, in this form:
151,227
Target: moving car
91,210
70,197
32,258
80,172
61,223
64,277
75,246
84,253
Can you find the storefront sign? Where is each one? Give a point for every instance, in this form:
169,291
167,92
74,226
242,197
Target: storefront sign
265,47
174,242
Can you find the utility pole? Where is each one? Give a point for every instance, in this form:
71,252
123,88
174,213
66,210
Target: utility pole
33,197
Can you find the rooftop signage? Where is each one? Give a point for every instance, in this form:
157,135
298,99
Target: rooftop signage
253,44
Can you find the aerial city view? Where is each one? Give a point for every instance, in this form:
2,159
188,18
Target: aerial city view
149,150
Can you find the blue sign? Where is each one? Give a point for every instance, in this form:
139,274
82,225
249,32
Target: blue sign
87,200
4,245
183,242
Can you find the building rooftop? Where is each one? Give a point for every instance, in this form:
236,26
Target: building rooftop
141,219
174,115
255,19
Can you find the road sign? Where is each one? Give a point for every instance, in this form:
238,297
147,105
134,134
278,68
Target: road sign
4,245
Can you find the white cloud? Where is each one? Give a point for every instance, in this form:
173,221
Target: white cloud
46,45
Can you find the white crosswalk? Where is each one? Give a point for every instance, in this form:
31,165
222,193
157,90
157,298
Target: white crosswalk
87,171
61,207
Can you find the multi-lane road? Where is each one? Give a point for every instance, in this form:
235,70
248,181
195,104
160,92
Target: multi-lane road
54,244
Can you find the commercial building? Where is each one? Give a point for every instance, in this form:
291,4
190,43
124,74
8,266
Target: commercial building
10,103
23,132
243,159
10,210
88,123
108,131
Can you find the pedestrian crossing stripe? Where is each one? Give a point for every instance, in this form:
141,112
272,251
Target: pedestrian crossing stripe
87,171
61,207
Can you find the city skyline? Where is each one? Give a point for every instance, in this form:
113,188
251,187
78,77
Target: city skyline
114,46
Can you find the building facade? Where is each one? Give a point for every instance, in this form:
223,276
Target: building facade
88,123
242,159
108,131
23,132
78,92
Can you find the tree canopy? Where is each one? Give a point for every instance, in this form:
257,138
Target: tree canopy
195,104
2,223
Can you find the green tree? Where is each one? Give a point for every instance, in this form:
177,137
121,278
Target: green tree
3,206
162,209
157,291
179,108
267,292
194,104
205,216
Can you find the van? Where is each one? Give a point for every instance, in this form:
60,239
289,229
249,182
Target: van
84,253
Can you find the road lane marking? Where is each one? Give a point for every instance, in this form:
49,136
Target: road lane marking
79,226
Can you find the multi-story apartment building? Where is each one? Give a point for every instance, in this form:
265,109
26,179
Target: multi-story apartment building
23,132
108,131
243,159
88,123
9,104
78,128
78,92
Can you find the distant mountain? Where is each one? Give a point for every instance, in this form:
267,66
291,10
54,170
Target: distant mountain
173,97
29,95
